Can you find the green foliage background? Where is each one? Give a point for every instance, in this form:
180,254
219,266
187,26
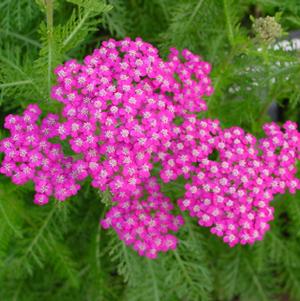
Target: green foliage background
59,252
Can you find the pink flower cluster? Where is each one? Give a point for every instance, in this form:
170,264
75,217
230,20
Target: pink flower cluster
120,105
124,110
119,110
231,193
29,156
144,220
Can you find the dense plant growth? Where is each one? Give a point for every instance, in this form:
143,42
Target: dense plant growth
59,251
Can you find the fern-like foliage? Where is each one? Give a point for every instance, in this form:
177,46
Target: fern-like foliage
187,22
190,274
117,20
238,275
41,239
10,218
16,14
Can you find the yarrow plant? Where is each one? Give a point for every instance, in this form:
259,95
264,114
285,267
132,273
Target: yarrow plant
127,111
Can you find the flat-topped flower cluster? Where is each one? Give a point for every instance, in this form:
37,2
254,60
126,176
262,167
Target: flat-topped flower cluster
126,109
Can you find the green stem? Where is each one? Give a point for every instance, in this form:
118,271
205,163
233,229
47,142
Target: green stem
10,224
198,6
40,233
17,83
76,29
49,15
98,243
269,97
228,23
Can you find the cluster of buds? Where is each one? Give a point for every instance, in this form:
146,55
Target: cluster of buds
124,110
267,30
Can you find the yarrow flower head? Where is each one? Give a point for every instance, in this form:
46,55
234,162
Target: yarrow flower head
29,156
144,220
126,110
120,105
119,110
231,193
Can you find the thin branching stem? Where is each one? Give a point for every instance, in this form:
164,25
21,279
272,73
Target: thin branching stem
8,221
40,233
49,15
16,83
76,29
228,23
21,37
